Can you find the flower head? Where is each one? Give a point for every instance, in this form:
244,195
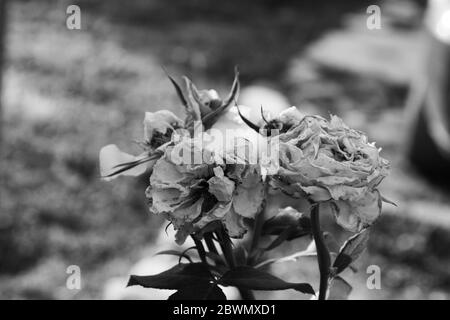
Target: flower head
203,108
326,161
192,194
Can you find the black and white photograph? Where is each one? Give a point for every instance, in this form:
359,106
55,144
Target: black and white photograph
251,150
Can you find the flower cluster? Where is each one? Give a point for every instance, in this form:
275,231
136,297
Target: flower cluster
211,194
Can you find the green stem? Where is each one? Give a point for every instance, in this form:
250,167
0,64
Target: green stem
259,222
225,244
323,255
210,243
253,254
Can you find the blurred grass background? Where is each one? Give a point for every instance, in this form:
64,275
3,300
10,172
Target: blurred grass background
69,92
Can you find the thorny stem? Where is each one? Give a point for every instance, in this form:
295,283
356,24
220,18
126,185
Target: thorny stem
225,244
323,255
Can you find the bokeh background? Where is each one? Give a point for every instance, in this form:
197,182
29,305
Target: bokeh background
66,93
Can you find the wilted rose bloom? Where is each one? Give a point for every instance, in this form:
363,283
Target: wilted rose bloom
158,129
202,107
326,161
191,194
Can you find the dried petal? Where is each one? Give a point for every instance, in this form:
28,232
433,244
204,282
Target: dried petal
247,201
160,121
220,186
356,215
329,161
111,156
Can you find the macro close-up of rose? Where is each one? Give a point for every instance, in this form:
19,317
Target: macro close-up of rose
326,161
192,194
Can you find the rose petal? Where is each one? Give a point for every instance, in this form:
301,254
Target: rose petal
220,186
247,201
344,192
187,214
317,194
234,224
218,213
166,174
164,200
183,232
291,116
111,156
356,215
160,121
345,217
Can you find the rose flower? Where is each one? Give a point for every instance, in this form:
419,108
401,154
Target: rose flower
203,108
193,186
326,161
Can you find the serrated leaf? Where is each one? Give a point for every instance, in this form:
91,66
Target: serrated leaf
203,291
351,250
339,289
250,278
180,276
175,253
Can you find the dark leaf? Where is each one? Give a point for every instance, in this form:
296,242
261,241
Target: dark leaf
180,276
128,165
234,92
178,90
339,289
288,224
283,236
241,255
209,119
248,122
175,253
220,266
263,116
351,250
250,278
203,291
